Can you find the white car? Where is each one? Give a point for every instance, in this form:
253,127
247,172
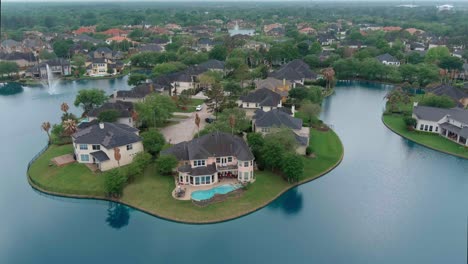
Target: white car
199,107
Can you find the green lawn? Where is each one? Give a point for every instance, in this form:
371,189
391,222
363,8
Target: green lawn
74,178
396,123
152,192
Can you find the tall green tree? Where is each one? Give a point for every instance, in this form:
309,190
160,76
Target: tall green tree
155,110
89,99
292,167
153,141
216,98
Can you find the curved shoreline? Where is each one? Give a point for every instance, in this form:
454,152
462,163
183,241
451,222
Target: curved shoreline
155,214
419,143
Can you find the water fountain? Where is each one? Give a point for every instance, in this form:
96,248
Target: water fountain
236,27
51,82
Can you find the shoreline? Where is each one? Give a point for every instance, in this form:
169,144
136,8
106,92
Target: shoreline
419,143
155,214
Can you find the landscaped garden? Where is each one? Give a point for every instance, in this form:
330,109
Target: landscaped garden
151,192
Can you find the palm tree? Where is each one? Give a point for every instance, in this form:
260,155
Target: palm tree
46,127
232,123
64,107
329,75
117,155
69,126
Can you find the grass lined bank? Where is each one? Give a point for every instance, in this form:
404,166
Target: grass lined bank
151,192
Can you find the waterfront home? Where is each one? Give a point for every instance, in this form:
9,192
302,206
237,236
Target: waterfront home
58,67
262,98
449,123
276,119
296,71
124,110
97,67
388,59
98,144
209,158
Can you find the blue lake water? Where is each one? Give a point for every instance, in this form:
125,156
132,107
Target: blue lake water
389,201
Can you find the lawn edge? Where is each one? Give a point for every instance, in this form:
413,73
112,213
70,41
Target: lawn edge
214,221
419,143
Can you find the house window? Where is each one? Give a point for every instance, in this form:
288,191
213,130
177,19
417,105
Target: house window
426,127
421,127
83,146
229,159
84,157
430,128
265,129
436,129
197,180
218,160
246,176
96,147
251,163
129,147
197,163
247,104
246,164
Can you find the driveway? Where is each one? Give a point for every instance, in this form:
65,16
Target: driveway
186,129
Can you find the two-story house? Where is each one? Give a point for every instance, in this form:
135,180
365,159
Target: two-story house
205,160
99,143
262,98
123,109
296,71
277,119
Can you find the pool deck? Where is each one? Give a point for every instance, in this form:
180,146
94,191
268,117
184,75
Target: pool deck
189,188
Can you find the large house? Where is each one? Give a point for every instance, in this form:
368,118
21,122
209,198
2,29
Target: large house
124,110
281,87
262,98
59,67
99,142
272,121
450,123
203,160
388,59
20,58
296,71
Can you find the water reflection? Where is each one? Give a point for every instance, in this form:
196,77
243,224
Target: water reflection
118,215
290,203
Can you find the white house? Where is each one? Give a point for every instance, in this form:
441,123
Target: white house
262,98
450,123
98,143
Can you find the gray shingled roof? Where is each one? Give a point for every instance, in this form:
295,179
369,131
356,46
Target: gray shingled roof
112,135
435,113
100,155
123,108
294,70
450,91
386,57
263,96
276,118
216,144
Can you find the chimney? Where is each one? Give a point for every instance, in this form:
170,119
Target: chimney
293,109
101,125
284,81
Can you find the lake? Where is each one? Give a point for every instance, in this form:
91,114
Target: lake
389,201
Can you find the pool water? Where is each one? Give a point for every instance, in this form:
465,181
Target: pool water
207,194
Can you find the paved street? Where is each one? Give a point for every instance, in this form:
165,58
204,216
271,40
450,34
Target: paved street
185,130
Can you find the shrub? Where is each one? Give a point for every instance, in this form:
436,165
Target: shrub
114,182
309,150
11,88
166,163
139,164
153,141
410,122
438,101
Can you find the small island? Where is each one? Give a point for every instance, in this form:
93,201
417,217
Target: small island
187,165
435,118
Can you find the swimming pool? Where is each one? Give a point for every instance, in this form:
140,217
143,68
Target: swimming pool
207,194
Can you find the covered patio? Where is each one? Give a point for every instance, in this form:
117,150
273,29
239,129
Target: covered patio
454,133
